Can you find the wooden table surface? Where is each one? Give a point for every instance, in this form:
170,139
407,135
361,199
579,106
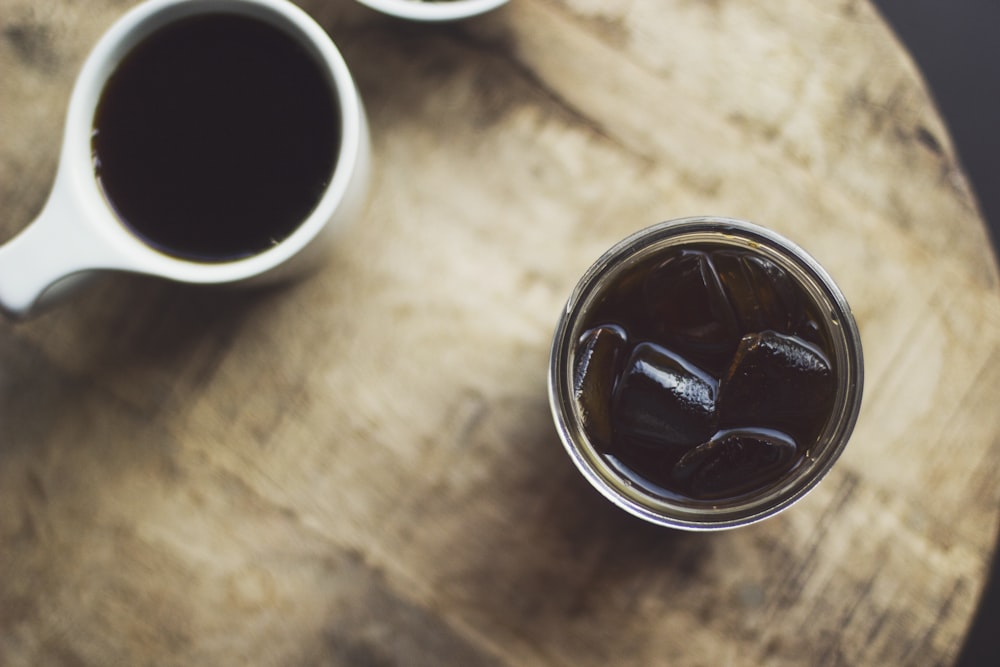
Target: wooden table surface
361,468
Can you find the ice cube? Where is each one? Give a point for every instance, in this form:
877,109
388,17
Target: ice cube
788,306
750,290
684,295
781,299
599,357
780,382
735,462
663,401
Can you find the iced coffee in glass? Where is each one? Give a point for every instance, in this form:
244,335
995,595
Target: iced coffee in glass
705,374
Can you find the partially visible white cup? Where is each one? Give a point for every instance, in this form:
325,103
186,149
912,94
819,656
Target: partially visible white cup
78,230
433,10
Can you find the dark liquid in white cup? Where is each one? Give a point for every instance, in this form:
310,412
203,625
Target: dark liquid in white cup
216,137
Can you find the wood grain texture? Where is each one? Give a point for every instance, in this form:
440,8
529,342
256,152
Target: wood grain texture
361,469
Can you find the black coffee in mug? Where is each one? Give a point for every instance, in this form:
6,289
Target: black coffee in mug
216,137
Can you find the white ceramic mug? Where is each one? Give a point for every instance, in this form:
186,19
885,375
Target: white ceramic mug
78,231
433,10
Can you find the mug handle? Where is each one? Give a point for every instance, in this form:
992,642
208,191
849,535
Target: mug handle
50,255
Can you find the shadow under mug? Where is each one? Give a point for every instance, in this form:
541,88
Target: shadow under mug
79,231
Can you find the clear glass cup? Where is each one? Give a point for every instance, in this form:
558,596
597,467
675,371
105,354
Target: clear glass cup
816,457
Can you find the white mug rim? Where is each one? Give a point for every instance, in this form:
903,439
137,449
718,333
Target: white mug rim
128,251
449,10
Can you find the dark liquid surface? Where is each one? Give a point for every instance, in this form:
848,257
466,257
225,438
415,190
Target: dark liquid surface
216,137
704,374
